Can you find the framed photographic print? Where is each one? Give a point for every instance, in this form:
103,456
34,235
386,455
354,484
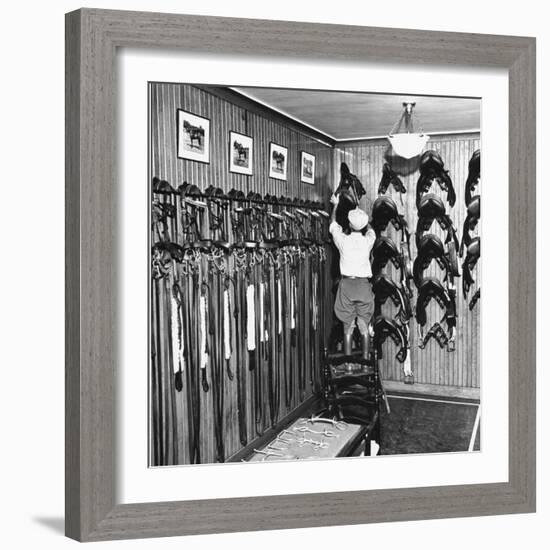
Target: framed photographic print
444,356
240,153
278,161
307,171
162,283
193,141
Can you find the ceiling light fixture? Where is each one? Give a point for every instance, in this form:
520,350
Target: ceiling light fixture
409,143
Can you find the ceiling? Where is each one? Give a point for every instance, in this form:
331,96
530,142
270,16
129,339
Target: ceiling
347,115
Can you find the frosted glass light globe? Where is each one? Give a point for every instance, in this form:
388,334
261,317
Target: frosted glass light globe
408,146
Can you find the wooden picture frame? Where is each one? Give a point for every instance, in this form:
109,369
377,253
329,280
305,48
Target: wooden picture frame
307,168
193,136
278,161
92,39
239,145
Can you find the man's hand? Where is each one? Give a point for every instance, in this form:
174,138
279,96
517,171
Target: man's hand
335,199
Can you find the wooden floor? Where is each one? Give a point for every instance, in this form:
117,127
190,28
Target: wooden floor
419,424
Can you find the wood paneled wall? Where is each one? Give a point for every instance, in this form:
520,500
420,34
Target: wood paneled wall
430,365
224,117
169,409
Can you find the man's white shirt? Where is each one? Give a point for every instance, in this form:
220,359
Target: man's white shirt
354,250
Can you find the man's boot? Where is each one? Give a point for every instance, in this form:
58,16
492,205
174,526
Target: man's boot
365,339
347,343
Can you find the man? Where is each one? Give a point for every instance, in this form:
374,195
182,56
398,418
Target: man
354,299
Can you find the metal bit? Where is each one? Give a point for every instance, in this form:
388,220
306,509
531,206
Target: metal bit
313,443
268,453
325,432
338,424
272,447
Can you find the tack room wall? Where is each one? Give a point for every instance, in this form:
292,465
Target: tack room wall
431,365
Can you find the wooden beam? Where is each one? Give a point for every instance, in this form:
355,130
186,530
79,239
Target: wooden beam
432,390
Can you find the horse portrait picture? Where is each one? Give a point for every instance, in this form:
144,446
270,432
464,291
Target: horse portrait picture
307,173
240,153
193,137
278,157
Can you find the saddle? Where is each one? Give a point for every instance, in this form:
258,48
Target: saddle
385,288
431,248
384,211
384,250
431,208
470,223
350,190
384,327
472,256
389,177
474,172
432,169
350,184
430,289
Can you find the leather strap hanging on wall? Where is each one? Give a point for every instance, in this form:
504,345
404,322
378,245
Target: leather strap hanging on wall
242,307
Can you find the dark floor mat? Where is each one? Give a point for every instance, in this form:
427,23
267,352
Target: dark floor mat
416,426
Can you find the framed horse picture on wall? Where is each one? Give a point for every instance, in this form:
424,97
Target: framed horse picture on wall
307,168
240,153
193,138
278,161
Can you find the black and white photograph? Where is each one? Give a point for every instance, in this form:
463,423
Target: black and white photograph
240,153
308,168
291,321
193,141
278,156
